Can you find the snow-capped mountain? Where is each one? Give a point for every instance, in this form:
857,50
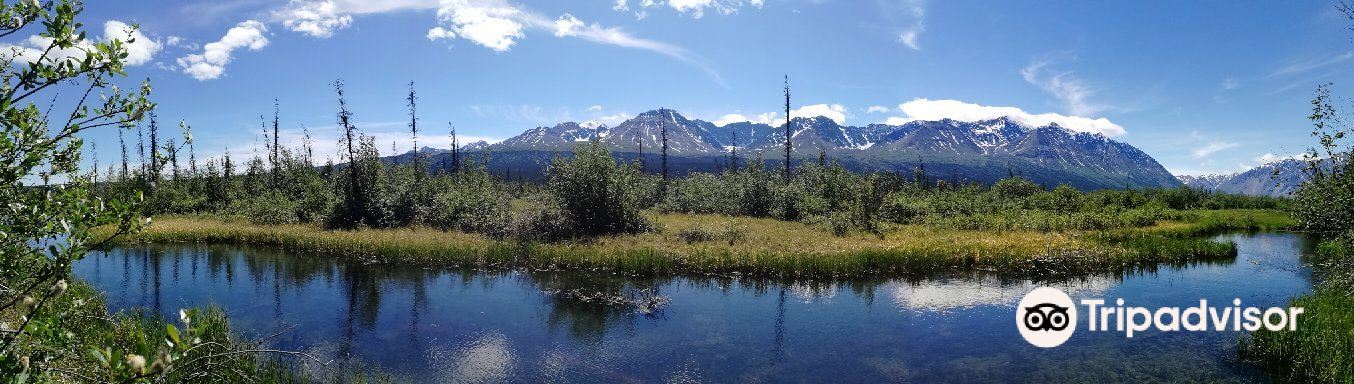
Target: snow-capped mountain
475,146
1277,179
982,151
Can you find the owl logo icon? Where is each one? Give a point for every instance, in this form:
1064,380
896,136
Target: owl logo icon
1046,317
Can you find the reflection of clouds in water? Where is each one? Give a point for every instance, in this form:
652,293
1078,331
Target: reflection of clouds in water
812,293
488,359
686,374
946,294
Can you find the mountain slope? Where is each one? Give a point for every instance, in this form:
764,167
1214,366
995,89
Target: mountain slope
1276,179
956,151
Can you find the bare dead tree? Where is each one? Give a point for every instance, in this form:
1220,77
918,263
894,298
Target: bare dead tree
733,150
123,143
154,149
307,146
663,131
787,128
275,153
455,150
413,130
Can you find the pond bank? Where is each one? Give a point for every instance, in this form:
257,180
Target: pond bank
750,246
494,325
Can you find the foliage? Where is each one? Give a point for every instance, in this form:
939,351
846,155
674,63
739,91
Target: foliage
46,226
596,192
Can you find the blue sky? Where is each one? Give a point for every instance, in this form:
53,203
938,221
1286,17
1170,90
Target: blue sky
1202,86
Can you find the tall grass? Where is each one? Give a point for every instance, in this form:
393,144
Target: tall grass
1321,349
746,245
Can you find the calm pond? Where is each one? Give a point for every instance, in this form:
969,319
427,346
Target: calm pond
521,326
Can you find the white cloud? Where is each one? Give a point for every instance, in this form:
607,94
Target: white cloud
1072,91
765,118
321,18
916,11
1308,65
439,33
909,37
836,112
211,63
140,48
595,108
926,109
317,18
498,25
878,109
1211,148
567,25
614,119
1270,158
1230,83
494,24
695,8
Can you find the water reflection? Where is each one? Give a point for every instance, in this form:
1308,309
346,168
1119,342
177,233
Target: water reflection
490,326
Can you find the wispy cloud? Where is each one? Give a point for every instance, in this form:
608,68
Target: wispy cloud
1311,64
1270,158
694,8
916,10
498,25
1211,148
1064,85
1230,83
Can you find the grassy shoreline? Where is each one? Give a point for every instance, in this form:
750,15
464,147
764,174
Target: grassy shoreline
1321,349
706,244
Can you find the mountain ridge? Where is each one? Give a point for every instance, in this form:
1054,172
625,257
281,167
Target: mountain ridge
981,151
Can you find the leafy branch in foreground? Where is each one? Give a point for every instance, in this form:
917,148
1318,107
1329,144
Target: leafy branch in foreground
49,212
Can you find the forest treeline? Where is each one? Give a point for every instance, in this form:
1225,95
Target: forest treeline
590,193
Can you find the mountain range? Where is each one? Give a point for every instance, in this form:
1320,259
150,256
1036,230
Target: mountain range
957,151
1277,179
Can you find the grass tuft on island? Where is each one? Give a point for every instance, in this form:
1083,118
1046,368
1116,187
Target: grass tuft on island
714,244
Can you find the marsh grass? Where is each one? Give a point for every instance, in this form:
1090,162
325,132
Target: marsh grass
713,244
1321,349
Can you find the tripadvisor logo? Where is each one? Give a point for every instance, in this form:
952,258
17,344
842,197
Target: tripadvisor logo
1047,317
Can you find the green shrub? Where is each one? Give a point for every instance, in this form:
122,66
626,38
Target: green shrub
596,192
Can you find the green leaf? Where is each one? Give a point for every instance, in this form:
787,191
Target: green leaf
173,333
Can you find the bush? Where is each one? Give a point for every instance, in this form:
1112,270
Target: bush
271,208
839,223
700,193
1015,188
596,193
541,219
470,202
